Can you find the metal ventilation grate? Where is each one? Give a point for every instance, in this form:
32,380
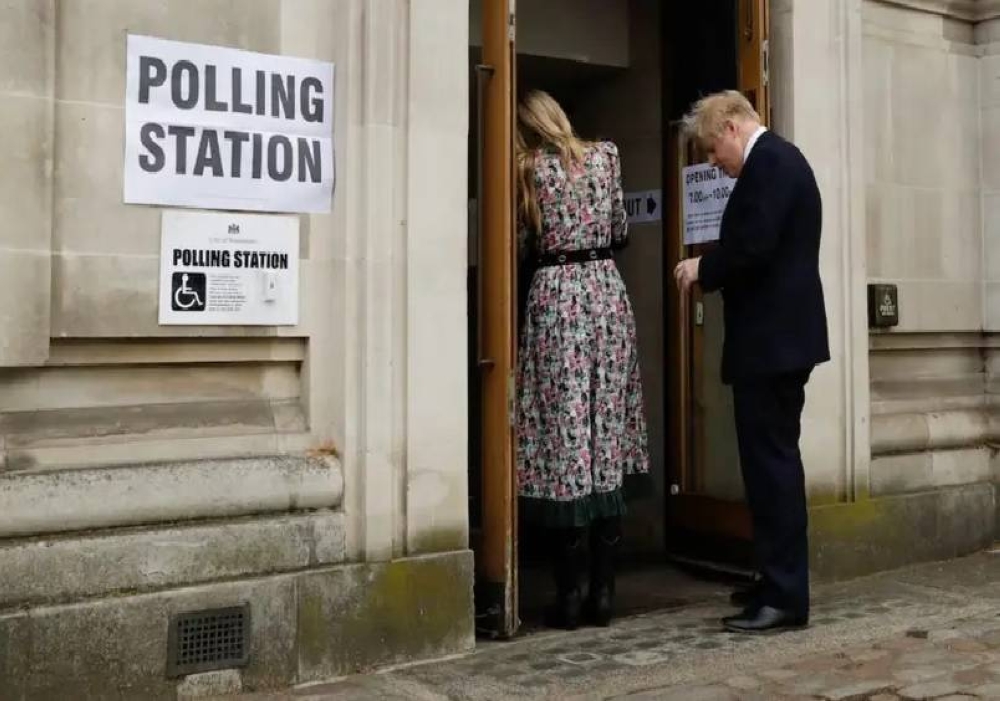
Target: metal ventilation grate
201,641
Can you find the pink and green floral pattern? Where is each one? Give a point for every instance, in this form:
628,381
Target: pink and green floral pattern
580,416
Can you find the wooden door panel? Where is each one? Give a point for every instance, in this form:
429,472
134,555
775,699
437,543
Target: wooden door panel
704,505
496,558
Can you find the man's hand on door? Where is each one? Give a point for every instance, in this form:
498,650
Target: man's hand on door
686,274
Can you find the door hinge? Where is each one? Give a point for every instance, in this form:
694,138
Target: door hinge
511,399
699,314
512,20
766,61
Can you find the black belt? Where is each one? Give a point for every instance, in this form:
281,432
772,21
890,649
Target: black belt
586,255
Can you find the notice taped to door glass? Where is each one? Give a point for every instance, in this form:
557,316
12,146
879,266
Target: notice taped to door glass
222,269
706,191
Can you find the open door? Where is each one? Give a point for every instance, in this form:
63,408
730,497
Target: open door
496,549
708,519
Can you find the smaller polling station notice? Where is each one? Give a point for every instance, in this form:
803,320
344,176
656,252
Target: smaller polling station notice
218,128
222,269
706,191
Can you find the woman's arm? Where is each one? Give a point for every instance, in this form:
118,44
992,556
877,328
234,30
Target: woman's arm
619,219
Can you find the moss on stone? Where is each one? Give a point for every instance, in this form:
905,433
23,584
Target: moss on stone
872,535
355,618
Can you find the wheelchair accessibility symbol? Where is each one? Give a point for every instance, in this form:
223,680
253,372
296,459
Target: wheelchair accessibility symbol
187,292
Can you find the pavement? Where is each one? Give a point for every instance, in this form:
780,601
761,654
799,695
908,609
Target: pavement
925,632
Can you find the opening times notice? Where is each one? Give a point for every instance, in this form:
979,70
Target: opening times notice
705,196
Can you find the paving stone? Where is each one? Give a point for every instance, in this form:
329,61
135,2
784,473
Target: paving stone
867,655
929,690
859,691
581,658
884,697
744,682
946,634
779,674
821,663
986,691
901,644
876,669
991,639
956,697
929,656
641,658
913,675
971,677
966,645
690,693
816,685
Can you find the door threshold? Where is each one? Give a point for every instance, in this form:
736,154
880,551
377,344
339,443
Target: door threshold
712,567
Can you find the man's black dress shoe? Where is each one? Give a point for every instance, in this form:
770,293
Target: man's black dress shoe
765,619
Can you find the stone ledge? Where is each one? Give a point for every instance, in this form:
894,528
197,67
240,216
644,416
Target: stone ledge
873,535
51,502
60,570
918,431
967,10
932,469
304,626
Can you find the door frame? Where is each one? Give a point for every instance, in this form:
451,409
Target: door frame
496,549
699,526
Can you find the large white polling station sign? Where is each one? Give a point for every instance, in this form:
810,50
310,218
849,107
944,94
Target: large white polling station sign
220,128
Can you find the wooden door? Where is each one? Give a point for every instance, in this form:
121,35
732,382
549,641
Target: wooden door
496,549
707,516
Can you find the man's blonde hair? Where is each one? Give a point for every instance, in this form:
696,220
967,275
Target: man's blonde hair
709,114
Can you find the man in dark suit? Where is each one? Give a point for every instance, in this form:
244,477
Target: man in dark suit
767,266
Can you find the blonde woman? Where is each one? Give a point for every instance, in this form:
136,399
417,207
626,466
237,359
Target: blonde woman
580,416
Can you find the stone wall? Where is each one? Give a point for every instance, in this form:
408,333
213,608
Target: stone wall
929,155
146,470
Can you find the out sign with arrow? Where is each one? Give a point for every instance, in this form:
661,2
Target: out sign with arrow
644,206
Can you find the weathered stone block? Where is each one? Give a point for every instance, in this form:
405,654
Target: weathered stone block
305,626
872,535
353,618
63,569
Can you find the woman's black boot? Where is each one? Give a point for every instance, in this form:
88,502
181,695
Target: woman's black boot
568,552
605,539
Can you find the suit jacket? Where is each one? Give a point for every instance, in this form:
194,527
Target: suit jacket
767,266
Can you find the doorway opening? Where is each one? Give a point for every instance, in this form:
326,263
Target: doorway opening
625,71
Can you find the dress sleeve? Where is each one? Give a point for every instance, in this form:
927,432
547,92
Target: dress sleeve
619,219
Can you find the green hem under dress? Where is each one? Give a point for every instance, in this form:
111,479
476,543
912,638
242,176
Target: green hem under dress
579,513
575,513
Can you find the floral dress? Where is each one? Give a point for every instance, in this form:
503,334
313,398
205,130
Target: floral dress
580,418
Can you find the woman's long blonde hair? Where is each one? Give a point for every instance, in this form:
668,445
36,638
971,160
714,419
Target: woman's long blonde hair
541,124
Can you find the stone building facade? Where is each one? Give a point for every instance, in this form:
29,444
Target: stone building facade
319,473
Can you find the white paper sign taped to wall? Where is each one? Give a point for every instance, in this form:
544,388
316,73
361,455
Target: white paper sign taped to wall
645,206
220,128
706,191
218,268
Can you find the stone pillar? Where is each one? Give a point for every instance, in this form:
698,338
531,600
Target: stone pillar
436,397
27,85
816,82
988,39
